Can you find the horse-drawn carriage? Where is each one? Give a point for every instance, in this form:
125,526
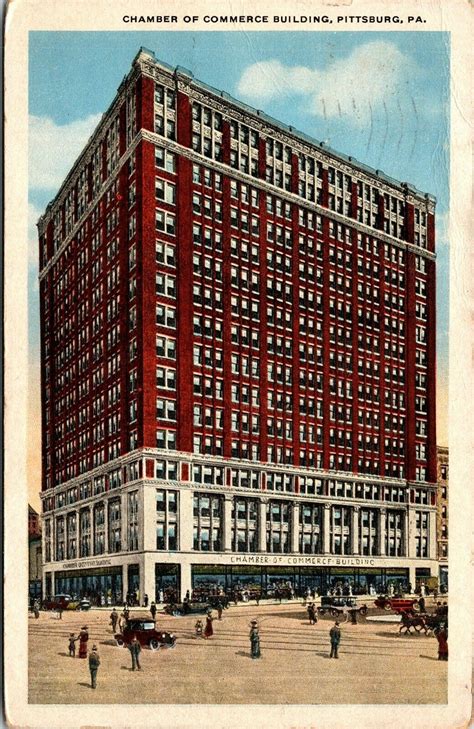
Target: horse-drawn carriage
428,622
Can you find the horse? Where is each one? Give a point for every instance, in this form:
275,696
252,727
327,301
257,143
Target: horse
417,622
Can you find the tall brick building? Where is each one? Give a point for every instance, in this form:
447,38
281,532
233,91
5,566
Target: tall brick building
238,355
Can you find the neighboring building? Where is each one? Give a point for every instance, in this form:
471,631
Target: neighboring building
442,515
238,355
34,522
34,554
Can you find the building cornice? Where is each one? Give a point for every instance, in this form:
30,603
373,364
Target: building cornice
199,459
266,125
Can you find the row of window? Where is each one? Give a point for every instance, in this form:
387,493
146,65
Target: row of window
87,532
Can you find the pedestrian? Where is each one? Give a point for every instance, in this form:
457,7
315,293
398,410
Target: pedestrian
72,645
208,630
257,597
83,638
145,600
186,605
94,663
335,637
126,614
135,649
198,628
254,640
36,609
442,638
153,610
422,604
312,613
60,612
114,620
353,614
219,609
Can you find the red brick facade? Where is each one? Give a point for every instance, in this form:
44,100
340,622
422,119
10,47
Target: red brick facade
320,326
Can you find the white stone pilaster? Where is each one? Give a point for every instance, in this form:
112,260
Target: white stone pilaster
124,522
185,523
355,517
147,518
295,527
147,577
77,533
106,526
185,578
326,528
262,525
227,525
381,531
432,552
411,518
124,581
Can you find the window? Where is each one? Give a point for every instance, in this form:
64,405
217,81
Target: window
165,222
165,191
165,409
165,160
207,530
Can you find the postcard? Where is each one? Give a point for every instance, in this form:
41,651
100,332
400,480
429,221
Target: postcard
237,364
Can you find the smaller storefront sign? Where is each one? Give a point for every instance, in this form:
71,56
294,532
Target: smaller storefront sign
81,564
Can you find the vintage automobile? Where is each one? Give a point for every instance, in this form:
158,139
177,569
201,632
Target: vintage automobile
338,606
65,602
83,604
147,634
397,604
191,608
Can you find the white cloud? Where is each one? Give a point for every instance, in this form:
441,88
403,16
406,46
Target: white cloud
442,229
355,85
54,148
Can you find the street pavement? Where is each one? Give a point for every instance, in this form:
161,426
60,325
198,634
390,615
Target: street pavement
376,664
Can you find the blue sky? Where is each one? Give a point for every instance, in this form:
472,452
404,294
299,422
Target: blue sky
383,98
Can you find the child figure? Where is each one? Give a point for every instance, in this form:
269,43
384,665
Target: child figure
72,645
198,628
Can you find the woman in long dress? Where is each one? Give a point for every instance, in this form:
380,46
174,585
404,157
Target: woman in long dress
83,638
442,638
208,630
254,640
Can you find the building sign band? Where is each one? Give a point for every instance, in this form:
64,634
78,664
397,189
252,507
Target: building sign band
324,561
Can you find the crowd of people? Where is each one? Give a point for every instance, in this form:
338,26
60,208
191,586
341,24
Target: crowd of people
205,628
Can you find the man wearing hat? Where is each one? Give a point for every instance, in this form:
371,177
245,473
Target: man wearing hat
254,640
335,637
114,619
135,649
94,663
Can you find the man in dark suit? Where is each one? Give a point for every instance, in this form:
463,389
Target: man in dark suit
335,637
135,649
94,663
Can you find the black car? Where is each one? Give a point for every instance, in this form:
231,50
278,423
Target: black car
146,633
